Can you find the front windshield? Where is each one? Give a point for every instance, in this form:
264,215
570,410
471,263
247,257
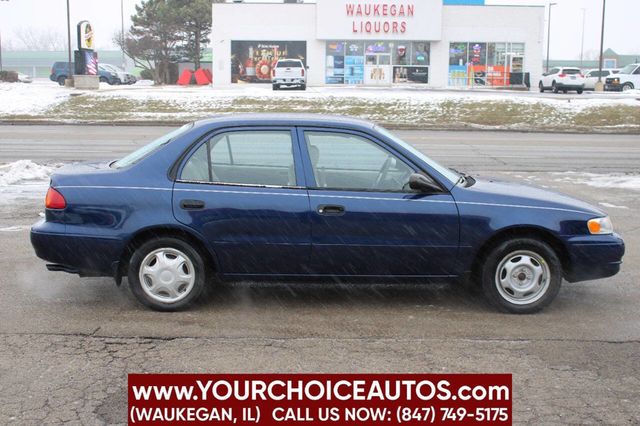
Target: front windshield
628,69
149,148
449,174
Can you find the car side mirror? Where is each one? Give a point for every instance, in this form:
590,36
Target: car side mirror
421,183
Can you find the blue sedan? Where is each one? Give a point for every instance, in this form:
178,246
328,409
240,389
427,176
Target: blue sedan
256,197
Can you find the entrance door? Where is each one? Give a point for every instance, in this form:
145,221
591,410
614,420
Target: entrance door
364,219
377,69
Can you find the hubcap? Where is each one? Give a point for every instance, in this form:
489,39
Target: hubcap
522,277
167,275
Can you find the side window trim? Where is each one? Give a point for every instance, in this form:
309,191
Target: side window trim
205,139
309,174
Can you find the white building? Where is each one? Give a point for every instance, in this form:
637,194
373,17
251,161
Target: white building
380,42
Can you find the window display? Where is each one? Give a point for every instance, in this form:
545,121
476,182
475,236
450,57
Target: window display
252,61
486,64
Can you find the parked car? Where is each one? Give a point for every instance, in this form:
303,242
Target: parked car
289,72
60,72
24,78
627,79
591,77
123,76
562,79
304,196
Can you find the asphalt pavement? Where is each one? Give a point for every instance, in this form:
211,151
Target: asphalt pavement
67,343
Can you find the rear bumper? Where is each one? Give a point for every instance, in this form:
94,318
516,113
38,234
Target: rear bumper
81,254
569,86
291,81
594,257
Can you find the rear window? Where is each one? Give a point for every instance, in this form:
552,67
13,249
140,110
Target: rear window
150,147
571,71
289,64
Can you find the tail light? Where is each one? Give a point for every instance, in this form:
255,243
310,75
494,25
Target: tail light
580,75
302,69
54,200
562,75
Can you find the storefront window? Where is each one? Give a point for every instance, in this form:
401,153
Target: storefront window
252,61
335,62
486,64
376,62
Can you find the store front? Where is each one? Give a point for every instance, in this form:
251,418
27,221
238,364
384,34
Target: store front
380,42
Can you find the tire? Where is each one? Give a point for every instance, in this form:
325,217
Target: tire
554,87
303,87
61,80
276,87
541,87
627,86
103,80
175,294
565,91
580,91
536,274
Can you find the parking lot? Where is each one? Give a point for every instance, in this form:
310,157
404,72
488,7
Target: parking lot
67,344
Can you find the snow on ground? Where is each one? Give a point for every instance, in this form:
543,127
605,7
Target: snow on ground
601,180
33,98
24,179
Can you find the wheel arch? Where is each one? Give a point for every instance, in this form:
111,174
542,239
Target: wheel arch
525,231
156,231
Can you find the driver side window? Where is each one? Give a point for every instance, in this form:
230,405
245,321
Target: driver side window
346,161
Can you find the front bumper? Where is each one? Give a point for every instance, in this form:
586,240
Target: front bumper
81,254
592,257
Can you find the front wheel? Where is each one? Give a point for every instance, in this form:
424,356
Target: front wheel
521,276
167,274
103,80
303,87
61,80
627,86
276,86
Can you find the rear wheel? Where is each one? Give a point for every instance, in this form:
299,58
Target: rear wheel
541,87
167,274
521,276
61,80
103,80
554,87
579,91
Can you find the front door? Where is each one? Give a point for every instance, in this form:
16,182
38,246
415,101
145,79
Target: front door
243,191
365,219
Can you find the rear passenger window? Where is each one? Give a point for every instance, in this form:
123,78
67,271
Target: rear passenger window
244,157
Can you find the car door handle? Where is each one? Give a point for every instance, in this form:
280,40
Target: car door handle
331,210
192,204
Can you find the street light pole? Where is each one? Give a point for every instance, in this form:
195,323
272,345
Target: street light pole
599,85
549,35
122,31
1,46
69,70
582,40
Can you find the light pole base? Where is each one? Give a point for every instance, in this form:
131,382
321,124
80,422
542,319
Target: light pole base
68,83
599,86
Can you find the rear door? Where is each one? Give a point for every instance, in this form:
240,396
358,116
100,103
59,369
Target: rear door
365,220
243,190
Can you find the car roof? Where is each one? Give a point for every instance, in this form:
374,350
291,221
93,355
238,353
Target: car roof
286,119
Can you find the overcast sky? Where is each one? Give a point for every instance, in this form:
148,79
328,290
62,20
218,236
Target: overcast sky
566,22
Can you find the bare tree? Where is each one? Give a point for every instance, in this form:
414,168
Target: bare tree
141,51
40,39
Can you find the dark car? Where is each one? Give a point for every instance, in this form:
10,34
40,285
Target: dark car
292,196
60,72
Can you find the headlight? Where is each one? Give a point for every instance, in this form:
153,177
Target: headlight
600,226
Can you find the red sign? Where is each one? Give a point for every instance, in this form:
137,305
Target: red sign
371,14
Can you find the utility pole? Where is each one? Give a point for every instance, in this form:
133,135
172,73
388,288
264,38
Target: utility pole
70,71
1,45
549,35
599,85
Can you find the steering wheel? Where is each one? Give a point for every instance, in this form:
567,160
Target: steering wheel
382,174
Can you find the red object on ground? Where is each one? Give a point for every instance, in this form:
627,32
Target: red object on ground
201,77
208,74
185,78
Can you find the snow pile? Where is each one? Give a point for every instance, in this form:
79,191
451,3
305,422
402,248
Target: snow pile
24,179
600,180
18,98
